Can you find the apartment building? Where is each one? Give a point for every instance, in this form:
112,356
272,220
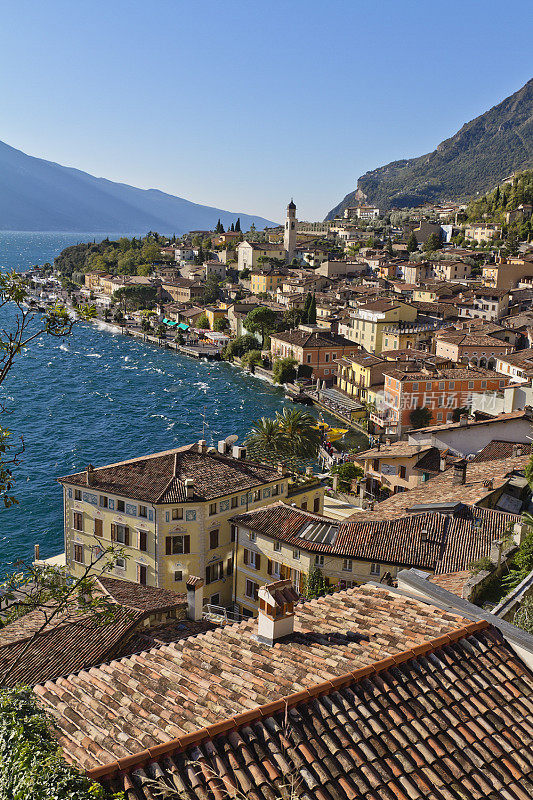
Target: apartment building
398,466
439,390
249,253
170,513
369,321
267,280
313,346
477,349
357,373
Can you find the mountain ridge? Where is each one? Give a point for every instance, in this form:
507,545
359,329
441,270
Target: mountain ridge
41,195
474,160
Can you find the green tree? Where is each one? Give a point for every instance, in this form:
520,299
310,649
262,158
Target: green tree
457,413
161,331
284,370
251,359
135,296
420,417
202,322
221,324
291,319
300,436
264,439
239,346
316,584
412,243
311,316
523,618
145,325
238,225
433,243
347,472
261,320
388,247
211,290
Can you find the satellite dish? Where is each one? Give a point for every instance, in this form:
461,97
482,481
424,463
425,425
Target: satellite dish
231,439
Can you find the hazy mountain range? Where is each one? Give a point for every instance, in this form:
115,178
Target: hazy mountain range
39,195
483,153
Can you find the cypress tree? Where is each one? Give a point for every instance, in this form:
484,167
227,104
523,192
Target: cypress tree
312,311
238,225
412,243
305,312
232,227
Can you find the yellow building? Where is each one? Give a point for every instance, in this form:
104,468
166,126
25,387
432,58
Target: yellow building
213,313
398,467
369,321
281,542
358,372
267,280
170,513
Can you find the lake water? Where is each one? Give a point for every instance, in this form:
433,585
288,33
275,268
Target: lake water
100,397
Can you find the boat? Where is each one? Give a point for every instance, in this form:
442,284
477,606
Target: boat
329,433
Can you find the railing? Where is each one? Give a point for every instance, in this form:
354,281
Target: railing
220,614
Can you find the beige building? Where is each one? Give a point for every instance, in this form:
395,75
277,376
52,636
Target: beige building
170,513
482,233
249,253
369,321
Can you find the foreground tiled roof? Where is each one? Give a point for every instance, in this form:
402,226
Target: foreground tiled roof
160,478
300,338
115,710
519,414
452,581
448,719
433,541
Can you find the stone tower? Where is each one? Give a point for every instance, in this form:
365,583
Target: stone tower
289,235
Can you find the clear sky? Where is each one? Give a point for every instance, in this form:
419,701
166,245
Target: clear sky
243,104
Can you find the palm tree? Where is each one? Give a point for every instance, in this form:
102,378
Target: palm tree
299,435
264,438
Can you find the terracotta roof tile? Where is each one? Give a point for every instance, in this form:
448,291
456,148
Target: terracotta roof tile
497,450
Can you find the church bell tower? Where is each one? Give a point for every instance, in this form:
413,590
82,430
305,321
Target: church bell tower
289,235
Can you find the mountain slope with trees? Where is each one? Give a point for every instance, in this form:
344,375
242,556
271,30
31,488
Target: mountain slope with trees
483,153
39,195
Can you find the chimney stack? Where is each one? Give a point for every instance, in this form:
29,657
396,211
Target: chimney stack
195,598
89,474
459,473
276,611
463,420
36,552
189,488
223,447
202,446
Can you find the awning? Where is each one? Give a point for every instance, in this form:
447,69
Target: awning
170,322
182,326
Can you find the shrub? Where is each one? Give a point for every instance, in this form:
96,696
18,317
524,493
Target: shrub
284,370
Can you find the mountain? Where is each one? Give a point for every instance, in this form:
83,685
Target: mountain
484,152
38,195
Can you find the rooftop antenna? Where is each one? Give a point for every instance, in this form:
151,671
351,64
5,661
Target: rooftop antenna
203,423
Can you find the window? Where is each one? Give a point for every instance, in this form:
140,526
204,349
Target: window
326,358
141,574
257,495
214,572
120,563
319,561
98,527
309,358
213,539
439,416
103,501
143,511
177,545
178,575
326,372
401,472
78,521
229,566
275,490
233,532
234,502
252,536
347,565
177,513
215,599
316,505
274,568
252,590
470,384
375,569
121,505
120,534
277,547
296,555
143,544
441,384
78,553
77,494
252,559
415,386
212,509
483,384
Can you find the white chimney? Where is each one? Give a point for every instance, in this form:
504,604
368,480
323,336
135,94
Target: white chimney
239,452
202,446
223,447
276,611
189,488
195,598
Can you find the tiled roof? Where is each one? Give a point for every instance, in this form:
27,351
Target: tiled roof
442,489
471,422
453,373
523,358
307,339
69,644
452,581
140,598
430,540
472,340
160,478
497,449
399,449
115,710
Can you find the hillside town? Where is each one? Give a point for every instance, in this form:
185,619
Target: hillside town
356,622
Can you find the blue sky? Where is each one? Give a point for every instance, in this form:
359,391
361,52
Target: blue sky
245,104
